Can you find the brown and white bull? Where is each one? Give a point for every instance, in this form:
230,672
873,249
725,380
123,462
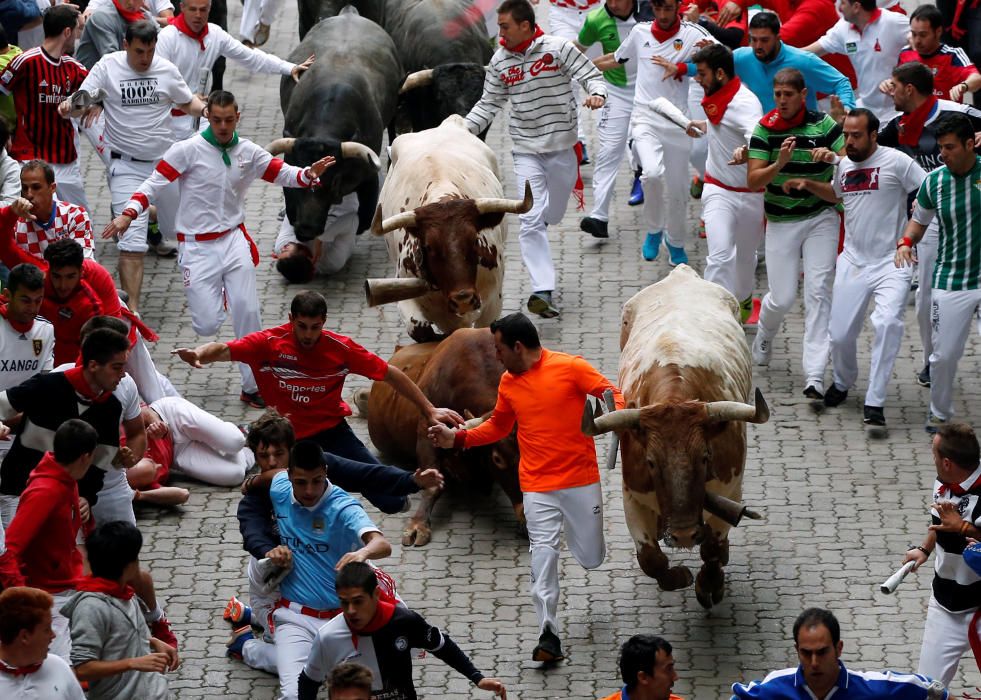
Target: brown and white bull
461,372
445,231
686,374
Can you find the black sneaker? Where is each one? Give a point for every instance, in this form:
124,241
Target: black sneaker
594,227
541,303
873,415
252,399
834,396
923,376
812,392
549,647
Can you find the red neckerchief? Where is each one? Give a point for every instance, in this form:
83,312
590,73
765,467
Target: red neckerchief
715,104
82,388
956,489
383,615
94,584
872,18
911,125
181,24
18,326
127,15
774,122
663,35
523,46
19,670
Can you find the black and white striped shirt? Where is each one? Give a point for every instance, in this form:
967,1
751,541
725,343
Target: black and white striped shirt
956,586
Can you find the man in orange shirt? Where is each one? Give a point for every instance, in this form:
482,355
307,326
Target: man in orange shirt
543,391
647,669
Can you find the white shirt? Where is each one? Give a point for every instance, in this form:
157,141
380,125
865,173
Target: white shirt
55,680
137,105
195,65
212,193
22,355
342,220
874,193
873,53
741,116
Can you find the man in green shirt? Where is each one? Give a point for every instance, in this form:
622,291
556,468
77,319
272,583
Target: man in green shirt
789,144
951,193
609,25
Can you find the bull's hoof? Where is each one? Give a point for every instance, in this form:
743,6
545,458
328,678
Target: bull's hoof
709,599
676,578
416,534
710,588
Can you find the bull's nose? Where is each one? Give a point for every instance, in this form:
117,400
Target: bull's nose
464,301
685,537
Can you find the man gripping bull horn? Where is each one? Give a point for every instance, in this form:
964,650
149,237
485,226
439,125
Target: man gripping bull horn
558,473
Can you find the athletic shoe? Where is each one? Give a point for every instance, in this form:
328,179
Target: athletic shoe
594,227
636,193
237,612
163,249
253,399
652,245
262,34
585,155
933,424
923,376
677,256
541,303
237,641
813,392
160,628
874,415
762,349
834,396
549,647
695,189
701,229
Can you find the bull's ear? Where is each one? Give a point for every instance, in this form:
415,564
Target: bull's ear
489,220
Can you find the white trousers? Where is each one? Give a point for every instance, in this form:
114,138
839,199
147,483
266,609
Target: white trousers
70,187
125,177
661,149
219,272
115,499
699,146
612,130
945,641
140,367
8,508
60,625
294,639
854,287
733,232
953,313
552,177
815,240
254,12
580,509
926,257
260,653
206,448
566,22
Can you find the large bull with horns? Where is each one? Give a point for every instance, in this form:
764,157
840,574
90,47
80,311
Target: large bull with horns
686,374
340,107
442,212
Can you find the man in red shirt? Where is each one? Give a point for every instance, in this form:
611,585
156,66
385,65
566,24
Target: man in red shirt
41,540
300,369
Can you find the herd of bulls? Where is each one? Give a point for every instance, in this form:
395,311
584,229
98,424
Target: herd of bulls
409,67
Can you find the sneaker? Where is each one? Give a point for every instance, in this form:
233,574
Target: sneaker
594,227
160,628
237,612
541,303
695,189
701,229
874,415
933,423
584,160
262,34
652,246
164,249
636,193
237,641
549,647
923,376
834,396
813,392
252,398
677,256
762,350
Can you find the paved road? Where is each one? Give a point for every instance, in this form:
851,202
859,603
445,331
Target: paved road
840,507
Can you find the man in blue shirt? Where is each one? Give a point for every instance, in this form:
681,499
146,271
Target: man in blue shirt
757,63
817,638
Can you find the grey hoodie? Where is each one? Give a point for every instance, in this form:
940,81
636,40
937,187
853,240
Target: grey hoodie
105,628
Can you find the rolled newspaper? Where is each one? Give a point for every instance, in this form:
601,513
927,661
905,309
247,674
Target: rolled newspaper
664,107
892,583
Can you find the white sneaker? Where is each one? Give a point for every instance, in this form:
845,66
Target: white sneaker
164,249
762,349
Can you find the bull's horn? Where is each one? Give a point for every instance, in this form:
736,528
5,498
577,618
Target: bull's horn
353,149
728,510
489,205
718,411
385,291
281,146
417,79
380,226
593,424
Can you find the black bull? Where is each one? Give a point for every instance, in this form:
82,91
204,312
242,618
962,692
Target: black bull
350,94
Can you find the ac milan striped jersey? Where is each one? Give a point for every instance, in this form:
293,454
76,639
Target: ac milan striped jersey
38,84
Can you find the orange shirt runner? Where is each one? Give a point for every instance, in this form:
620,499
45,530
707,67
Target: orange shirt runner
547,401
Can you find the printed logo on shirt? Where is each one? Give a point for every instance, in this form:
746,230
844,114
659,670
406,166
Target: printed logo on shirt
6,77
37,346
318,524
65,312
138,92
851,47
877,47
977,184
545,64
54,98
401,643
513,76
861,180
19,365
678,44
